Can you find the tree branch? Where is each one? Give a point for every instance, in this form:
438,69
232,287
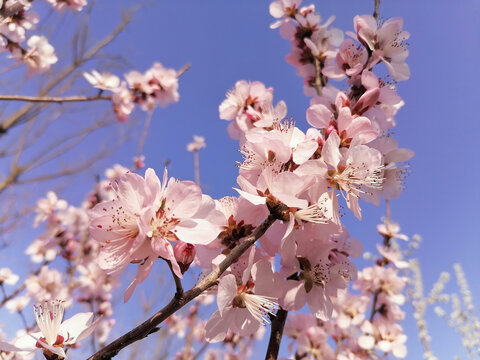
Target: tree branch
375,11
178,282
319,82
276,333
54,99
150,325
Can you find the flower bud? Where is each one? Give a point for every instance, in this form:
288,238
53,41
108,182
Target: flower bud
184,254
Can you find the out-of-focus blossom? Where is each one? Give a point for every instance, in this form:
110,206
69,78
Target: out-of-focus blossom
197,144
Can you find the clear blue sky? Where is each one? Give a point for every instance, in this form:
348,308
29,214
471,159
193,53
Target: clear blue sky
226,41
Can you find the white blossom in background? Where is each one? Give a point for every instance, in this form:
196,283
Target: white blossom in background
197,144
40,54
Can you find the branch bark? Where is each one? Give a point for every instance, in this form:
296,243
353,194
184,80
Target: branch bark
375,11
53,99
319,82
150,326
276,333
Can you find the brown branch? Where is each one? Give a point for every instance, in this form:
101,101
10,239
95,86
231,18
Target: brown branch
143,136
319,82
59,99
183,69
201,350
374,309
150,326
276,333
178,282
375,11
53,99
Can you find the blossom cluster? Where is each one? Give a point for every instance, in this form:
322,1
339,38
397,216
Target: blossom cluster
294,176
34,50
157,86
363,324
320,52
298,179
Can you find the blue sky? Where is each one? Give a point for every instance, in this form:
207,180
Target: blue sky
226,41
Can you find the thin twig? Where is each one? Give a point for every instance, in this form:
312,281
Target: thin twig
319,82
150,325
53,99
375,11
178,282
144,134
24,320
276,333
184,68
196,167
201,350
374,309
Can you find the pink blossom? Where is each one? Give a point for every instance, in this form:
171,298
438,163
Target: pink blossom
353,171
243,307
146,217
247,104
387,43
122,102
54,334
46,207
164,83
394,171
283,9
8,277
14,27
350,128
103,81
350,61
40,54
197,144
75,5
47,285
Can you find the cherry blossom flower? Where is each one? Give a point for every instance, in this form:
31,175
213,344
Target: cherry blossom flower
14,27
358,170
18,303
350,61
197,144
47,285
122,102
249,104
8,277
244,306
40,55
103,81
387,43
164,82
75,5
46,207
323,270
54,334
146,216
283,9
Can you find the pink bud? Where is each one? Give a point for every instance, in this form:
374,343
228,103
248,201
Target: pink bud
184,254
330,129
